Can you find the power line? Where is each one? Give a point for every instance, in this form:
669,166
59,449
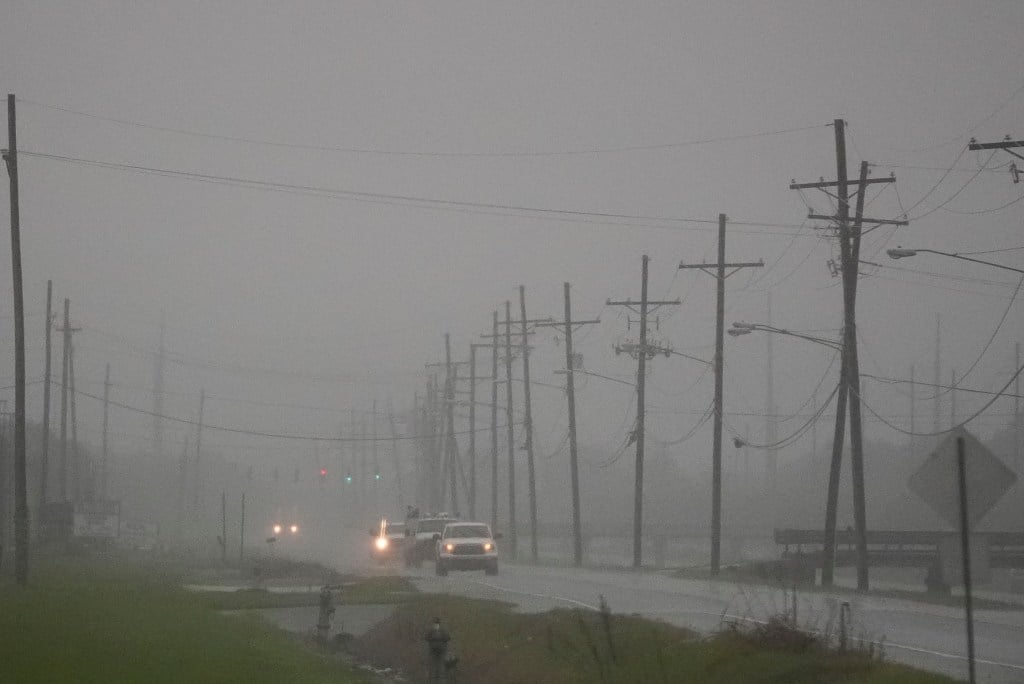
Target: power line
420,153
257,433
993,251
997,395
487,208
796,434
983,211
882,378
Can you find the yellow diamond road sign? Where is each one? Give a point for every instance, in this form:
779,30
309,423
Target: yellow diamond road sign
937,482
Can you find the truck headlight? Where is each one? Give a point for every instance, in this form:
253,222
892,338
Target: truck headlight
488,546
449,547
277,529
381,543
294,529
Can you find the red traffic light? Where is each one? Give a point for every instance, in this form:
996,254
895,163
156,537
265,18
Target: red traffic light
323,472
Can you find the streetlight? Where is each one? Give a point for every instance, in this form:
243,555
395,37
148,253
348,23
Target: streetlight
742,328
903,253
832,500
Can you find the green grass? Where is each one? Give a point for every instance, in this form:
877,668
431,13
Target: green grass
353,591
496,646
97,620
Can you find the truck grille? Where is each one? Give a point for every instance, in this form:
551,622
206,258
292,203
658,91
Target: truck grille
468,550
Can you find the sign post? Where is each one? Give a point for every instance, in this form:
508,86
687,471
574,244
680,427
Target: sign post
965,545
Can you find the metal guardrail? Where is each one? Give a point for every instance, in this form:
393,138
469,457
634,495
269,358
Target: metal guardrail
896,548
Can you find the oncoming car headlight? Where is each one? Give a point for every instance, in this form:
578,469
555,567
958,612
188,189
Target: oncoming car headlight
488,546
294,529
381,543
449,547
277,529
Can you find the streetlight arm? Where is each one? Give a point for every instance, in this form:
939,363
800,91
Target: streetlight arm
745,328
900,253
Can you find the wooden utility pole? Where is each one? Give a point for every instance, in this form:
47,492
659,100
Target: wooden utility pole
106,451
20,470
451,448
1016,409
848,395
716,457
76,465
641,377
513,537
364,492
508,323
224,527
473,379
4,501
642,352
528,426
62,479
851,271
771,419
44,462
447,445
494,421
241,533
374,453
197,492
395,458
952,398
182,490
158,392
570,393
937,372
472,431
913,411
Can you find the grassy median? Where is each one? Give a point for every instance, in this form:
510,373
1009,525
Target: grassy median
497,646
104,620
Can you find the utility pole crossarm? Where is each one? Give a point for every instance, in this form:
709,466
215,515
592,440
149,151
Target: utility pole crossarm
1001,145
650,302
738,264
561,324
880,222
834,184
529,321
502,335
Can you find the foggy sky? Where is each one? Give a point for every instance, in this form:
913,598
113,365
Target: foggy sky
360,293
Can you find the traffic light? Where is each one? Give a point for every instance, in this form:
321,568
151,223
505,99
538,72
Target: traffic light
348,477
323,472
376,475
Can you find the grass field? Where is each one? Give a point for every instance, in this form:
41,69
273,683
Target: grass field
496,646
89,620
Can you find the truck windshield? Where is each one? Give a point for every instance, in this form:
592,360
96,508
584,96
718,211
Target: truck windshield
464,531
